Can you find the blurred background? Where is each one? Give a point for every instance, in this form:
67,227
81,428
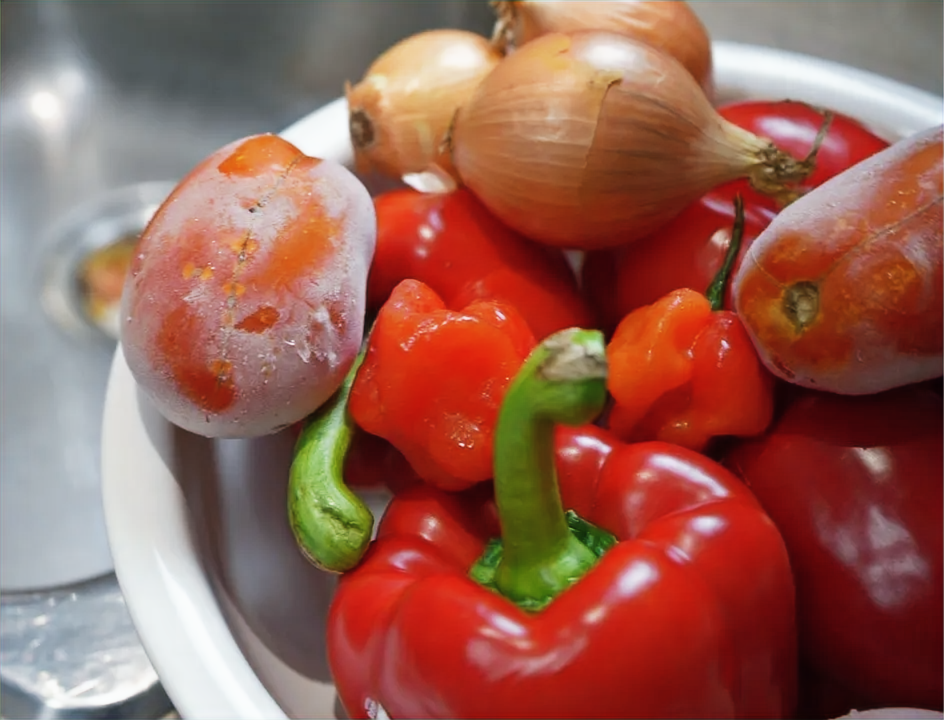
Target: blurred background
103,105
898,39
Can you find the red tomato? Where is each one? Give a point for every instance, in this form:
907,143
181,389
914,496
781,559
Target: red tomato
244,303
687,252
855,486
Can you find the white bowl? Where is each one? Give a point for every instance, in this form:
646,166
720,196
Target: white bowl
231,614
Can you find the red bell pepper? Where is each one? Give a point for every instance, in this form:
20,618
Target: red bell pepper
673,598
684,371
433,379
686,251
855,486
452,244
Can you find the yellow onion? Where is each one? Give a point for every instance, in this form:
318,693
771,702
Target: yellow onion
670,26
593,139
400,112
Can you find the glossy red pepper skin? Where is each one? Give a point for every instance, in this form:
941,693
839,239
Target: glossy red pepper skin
855,486
681,373
690,615
433,380
452,244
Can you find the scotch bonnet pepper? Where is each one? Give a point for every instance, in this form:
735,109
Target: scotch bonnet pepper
433,380
669,595
683,370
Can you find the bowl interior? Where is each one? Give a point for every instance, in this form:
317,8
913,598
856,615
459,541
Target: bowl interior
231,614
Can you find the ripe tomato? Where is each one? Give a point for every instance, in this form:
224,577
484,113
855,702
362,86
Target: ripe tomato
855,486
454,246
688,251
244,304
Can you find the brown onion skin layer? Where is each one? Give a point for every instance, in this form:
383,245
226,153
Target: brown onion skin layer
401,110
867,247
668,25
594,140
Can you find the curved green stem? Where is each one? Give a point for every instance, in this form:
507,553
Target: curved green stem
332,526
562,381
719,283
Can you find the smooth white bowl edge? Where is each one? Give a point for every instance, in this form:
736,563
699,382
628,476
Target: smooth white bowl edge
170,598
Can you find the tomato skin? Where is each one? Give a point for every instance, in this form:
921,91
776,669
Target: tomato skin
855,486
844,290
688,251
224,329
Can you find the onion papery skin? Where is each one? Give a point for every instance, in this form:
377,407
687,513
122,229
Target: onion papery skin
594,140
669,25
400,112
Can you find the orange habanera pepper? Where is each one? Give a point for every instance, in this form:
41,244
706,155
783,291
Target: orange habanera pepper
683,371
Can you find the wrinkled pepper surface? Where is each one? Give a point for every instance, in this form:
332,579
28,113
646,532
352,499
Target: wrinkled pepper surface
451,243
433,380
684,371
667,594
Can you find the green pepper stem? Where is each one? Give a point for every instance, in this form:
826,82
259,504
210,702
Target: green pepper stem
562,381
719,283
332,526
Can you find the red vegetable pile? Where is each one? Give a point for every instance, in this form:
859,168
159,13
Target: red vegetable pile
701,476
